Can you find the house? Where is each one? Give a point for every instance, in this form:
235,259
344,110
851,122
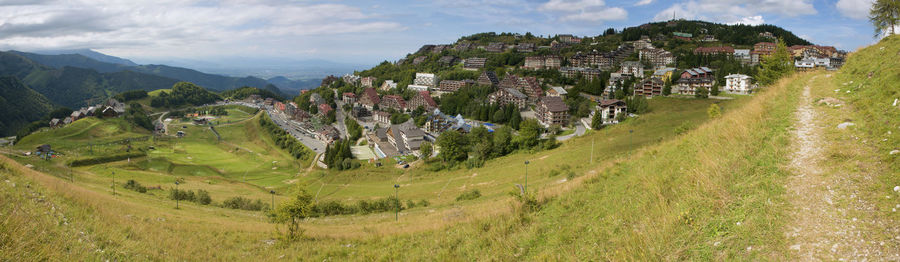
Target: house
200,121
349,98
664,74
369,98
642,44
525,47
328,134
488,78
68,120
54,123
692,79
656,57
714,50
462,47
557,91
438,123
116,109
447,60
418,60
610,110
700,72
580,72
439,48
367,81
682,36
450,86
425,79
551,110
348,78
542,62
822,62
708,38
382,117
394,102
634,68
495,47
650,87
255,99
738,84
569,39
423,99
301,116
406,137
110,112
761,50
805,64
324,109
507,96
474,63
743,55
388,85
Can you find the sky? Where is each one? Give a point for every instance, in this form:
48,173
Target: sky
367,32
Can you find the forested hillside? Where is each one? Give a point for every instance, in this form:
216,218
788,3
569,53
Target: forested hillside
20,105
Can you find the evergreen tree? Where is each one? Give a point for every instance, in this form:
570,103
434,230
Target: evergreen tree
775,66
597,120
885,15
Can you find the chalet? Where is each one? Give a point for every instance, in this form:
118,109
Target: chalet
328,134
367,81
301,116
664,74
633,68
552,111
542,62
580,72
348,98
700,72
68,120
406,137
110,112
450,86
388,85
525,47
557,91
714,50
382,117
474,63
506,96
650,87
369,98
54,123
495,47
692,79
423,99
394,102
488,78
738,84
610,110
822,62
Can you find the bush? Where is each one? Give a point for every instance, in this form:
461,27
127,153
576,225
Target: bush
243,204
178,194
469,195
134,185
203,197
684,127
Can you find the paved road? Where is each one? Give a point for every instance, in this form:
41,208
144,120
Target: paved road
293,128
579,130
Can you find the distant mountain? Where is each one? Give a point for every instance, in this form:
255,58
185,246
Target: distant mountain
20,105
294,86
92,55
210,81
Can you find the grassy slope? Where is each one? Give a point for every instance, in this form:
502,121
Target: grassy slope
78,134
677,205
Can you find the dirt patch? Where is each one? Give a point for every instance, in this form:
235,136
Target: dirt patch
830,101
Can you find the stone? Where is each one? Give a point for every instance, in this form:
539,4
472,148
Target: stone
894,152
844,125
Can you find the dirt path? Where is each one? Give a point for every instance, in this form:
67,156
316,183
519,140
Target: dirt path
826,218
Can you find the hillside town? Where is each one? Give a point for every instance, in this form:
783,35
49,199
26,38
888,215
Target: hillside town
552,84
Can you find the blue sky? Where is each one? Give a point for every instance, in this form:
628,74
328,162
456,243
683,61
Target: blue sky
366,32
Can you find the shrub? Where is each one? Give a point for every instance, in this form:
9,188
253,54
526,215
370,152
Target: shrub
134,185
177,194
243,204
203,197
469,195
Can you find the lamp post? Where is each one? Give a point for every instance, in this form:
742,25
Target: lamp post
114,183
176,194
397,197
273,198
526,176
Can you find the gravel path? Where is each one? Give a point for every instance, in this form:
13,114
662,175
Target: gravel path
823,221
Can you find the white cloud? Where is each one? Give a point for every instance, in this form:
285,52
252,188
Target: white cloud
749,20
856,9
180,28
727,11
643,2
583,10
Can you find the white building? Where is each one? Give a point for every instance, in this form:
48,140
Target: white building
426,79
418,88
805,64
822,62
634,68
738,84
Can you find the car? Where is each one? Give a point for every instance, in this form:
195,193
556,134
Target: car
406,166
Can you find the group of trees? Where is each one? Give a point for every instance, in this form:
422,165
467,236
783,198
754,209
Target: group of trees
283,139
130,95
353,128
480,145
136,115
184,93
247,91
339,156
200,197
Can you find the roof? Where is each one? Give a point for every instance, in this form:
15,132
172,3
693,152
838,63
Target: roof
738,76
663,71
610,102
372,95
559,90
554,104
427,97
515,93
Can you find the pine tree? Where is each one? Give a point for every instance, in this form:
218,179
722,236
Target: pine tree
885,15
775,66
